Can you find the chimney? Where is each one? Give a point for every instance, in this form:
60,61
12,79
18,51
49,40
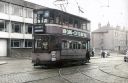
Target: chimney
108,25
99,25
118,27
123,28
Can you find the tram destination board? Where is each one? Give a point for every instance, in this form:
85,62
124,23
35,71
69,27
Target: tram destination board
39,29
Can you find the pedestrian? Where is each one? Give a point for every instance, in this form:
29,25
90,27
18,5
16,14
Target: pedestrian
92,53
103,54
87,56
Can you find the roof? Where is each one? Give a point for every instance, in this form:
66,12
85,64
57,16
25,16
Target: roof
24,3
106,29
102,29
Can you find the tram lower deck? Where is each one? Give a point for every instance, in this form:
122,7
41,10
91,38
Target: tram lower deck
63,56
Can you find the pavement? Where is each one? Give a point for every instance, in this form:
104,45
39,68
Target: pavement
113,54
3,62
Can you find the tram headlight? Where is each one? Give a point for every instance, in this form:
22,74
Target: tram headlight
53,54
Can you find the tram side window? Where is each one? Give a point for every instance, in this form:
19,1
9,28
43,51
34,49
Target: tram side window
79,45
84,26
65,20
57,20
51,19
83,45
42,17
45,20
70,22
88,26
74,45
39,18
57,17
64,44
46,16
76,23
70,45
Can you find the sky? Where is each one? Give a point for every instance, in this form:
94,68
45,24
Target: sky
97,11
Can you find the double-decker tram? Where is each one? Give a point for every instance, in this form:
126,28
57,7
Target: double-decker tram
59,37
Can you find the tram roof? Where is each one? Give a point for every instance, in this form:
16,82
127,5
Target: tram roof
62,12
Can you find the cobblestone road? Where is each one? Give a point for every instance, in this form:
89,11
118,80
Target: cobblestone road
99,70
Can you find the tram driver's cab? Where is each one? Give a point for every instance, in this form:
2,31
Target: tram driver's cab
46,43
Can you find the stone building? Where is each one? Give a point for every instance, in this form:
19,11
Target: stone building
16,19
109,38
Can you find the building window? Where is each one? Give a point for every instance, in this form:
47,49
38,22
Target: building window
2,7
16,10
29,13
6,8
28,43
2,25
29,29
15,43
16,27
25,12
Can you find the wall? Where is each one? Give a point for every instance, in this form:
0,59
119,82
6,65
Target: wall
21,52
108,40
3,47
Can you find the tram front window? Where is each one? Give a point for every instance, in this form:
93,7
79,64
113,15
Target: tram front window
46,43
42,44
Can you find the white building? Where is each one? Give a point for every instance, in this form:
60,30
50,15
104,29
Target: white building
109,38
16,19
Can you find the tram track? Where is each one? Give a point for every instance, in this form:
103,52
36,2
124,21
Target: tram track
78,71
115,67
63,77
106,74
90,76
59,75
